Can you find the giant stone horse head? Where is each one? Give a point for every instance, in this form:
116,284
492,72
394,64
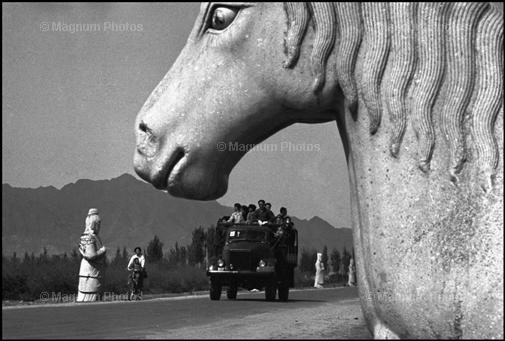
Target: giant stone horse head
416,90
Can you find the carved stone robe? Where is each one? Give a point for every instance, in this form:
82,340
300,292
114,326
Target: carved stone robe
319,279
91,269
352,274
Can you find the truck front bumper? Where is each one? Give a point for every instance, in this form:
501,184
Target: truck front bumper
227,276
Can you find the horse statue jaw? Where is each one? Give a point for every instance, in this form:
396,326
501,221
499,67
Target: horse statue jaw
420,113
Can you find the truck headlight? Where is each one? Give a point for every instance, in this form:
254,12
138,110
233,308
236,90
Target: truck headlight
220,263
262,263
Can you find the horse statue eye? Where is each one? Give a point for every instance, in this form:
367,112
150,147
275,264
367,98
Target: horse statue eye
222,17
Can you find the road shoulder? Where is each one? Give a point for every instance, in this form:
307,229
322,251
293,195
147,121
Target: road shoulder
326,321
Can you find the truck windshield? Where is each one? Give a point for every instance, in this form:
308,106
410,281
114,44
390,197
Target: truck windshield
250,235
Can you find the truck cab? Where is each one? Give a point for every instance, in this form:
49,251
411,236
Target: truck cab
254,257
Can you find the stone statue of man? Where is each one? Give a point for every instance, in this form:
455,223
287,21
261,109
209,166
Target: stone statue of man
319,280
352,274
93,256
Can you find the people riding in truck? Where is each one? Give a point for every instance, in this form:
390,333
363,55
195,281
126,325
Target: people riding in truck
250,213
285,226
283,218
262,215
236,216
244,210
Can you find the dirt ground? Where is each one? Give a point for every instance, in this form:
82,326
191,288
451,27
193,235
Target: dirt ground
327,321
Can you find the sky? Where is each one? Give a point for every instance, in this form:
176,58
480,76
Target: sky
75,76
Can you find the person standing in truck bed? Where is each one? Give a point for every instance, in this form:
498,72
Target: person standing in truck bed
236,217
262,213
283,218
244,212
250,213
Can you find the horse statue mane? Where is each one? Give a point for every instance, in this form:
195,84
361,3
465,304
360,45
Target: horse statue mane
450,51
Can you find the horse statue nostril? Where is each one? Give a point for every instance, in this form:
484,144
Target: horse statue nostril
147,143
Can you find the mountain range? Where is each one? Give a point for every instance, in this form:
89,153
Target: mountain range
132,212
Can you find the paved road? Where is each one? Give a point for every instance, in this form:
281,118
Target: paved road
184,316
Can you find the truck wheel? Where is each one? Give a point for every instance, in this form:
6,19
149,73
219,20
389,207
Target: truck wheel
270,292
231,292
215,290
283,292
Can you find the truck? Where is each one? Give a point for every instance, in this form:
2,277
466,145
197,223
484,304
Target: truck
253,256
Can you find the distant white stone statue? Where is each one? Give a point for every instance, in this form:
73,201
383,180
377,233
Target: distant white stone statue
352,274
319,280
93,254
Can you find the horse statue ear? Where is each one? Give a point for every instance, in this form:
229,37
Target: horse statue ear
298,17
323,15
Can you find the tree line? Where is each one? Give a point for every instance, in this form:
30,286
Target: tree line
179,269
